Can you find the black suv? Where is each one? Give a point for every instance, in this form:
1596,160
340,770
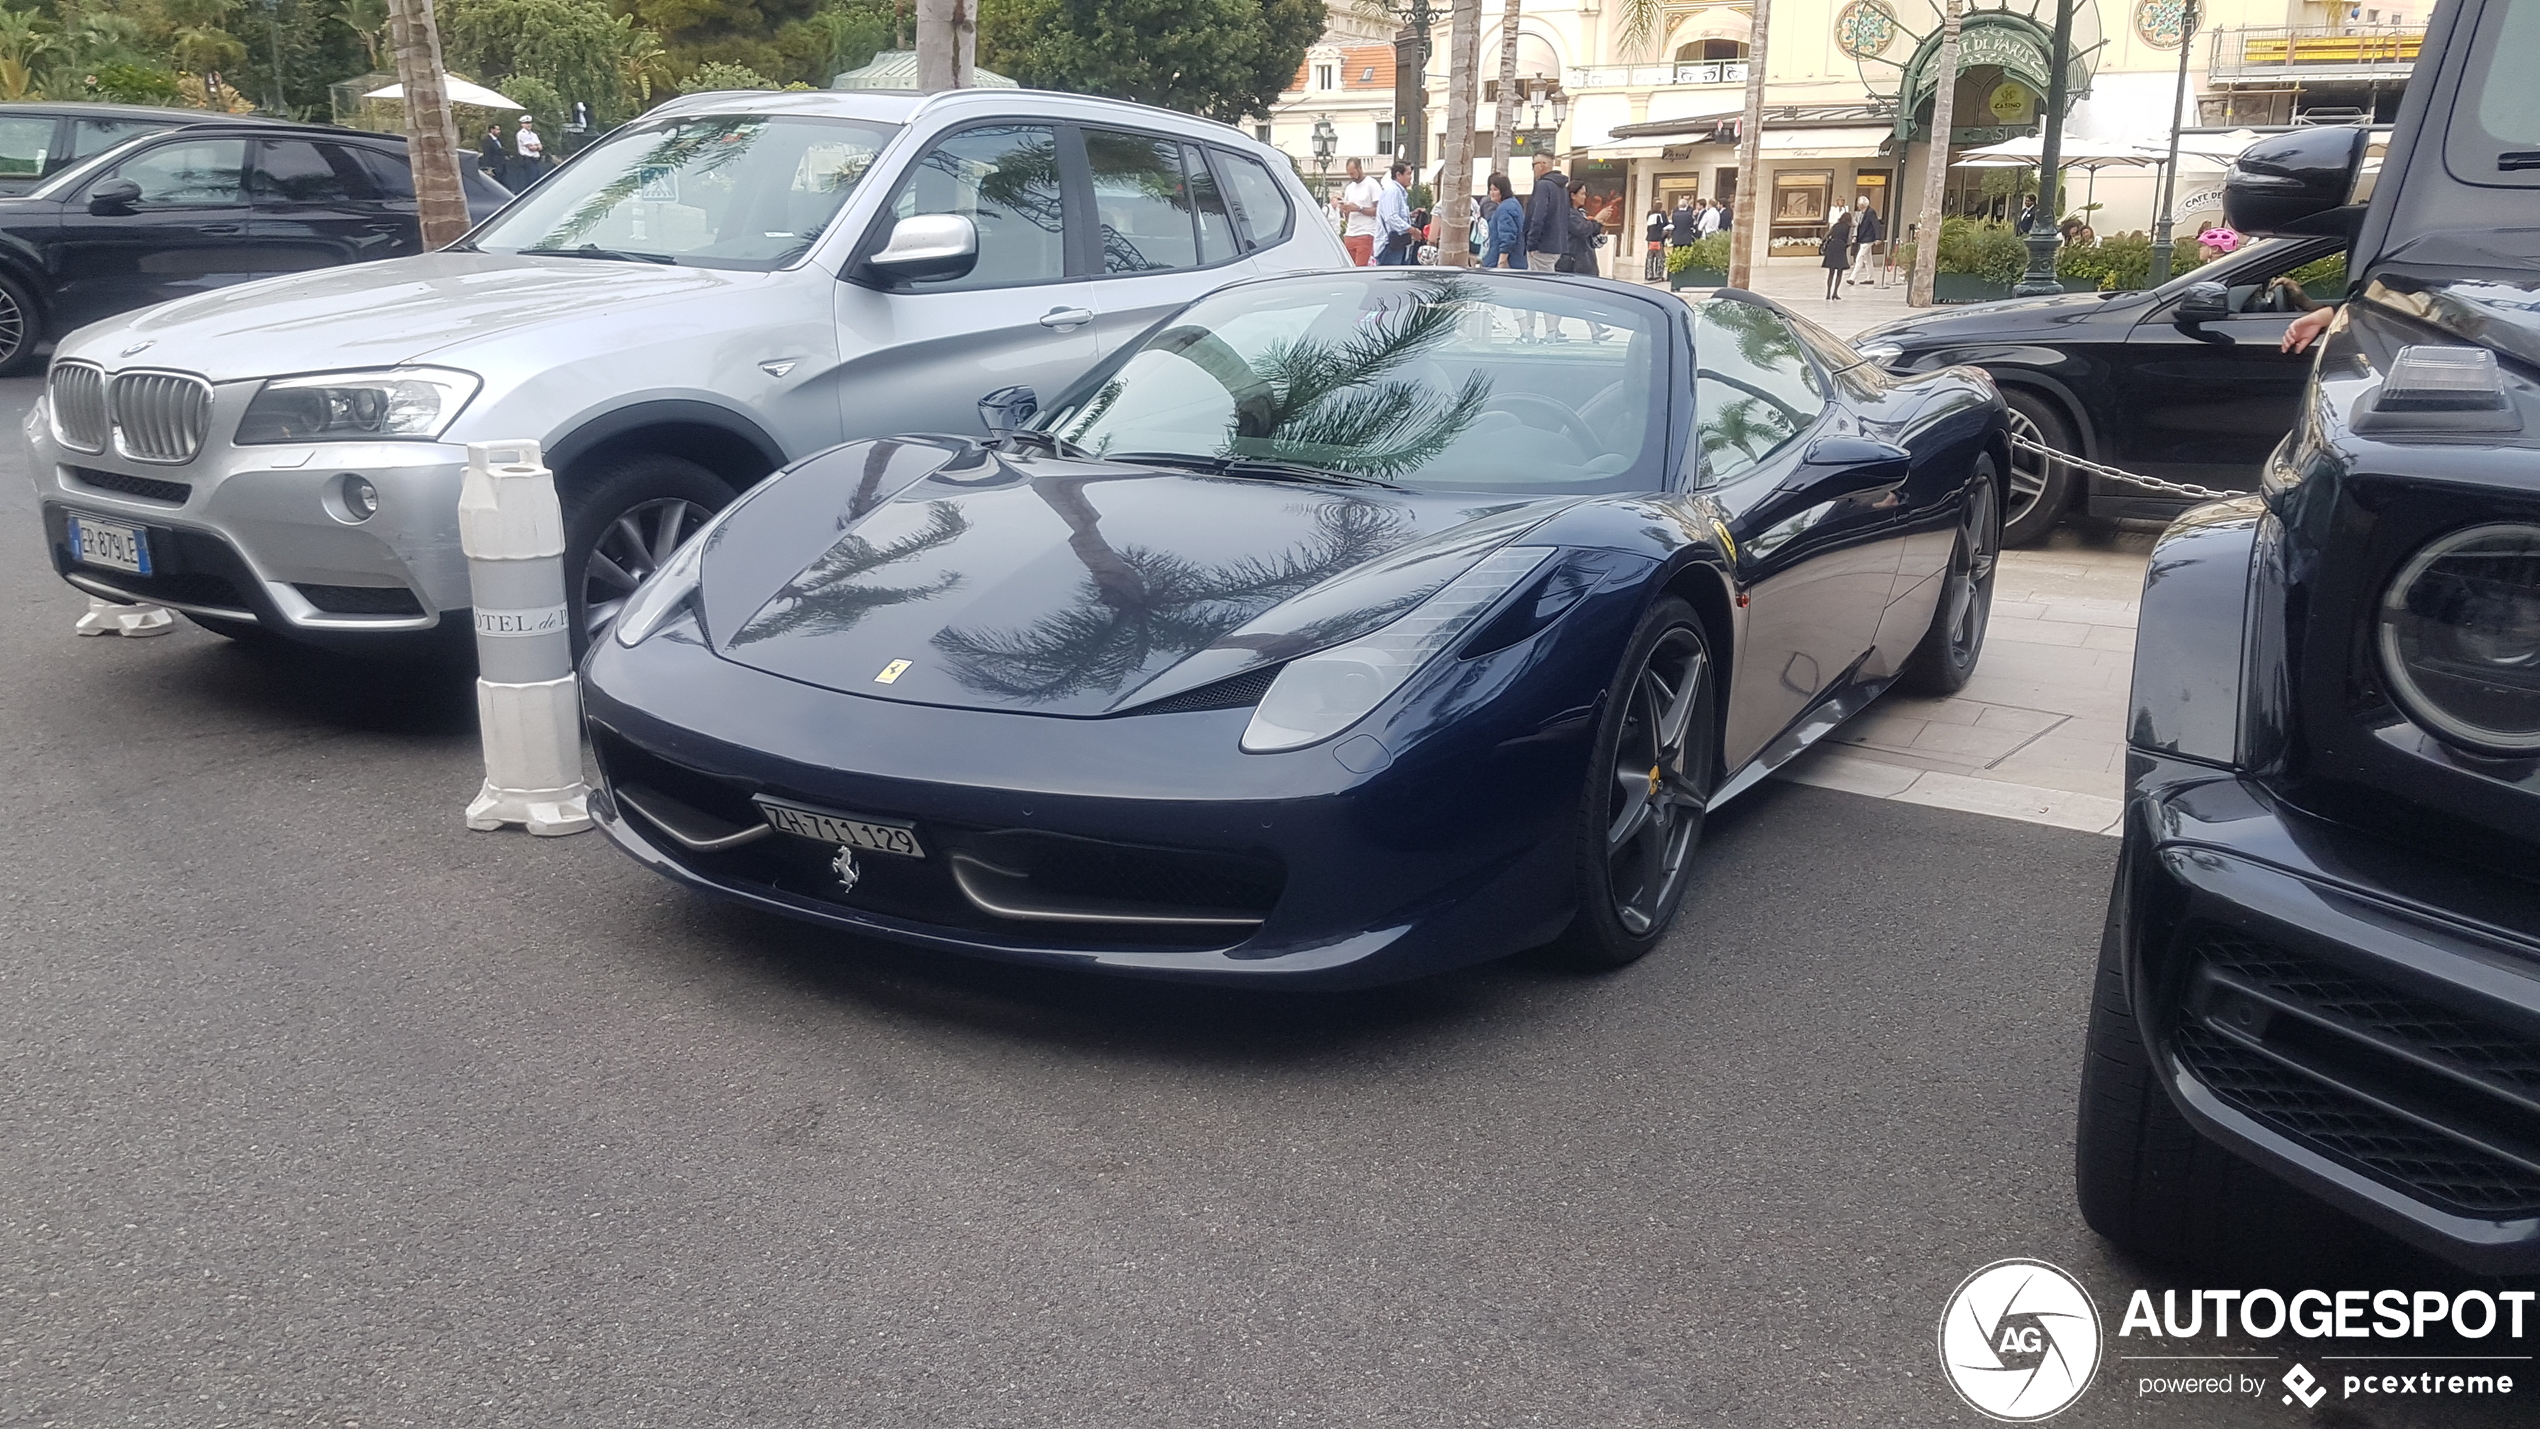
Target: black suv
39,140
180,211
2321,968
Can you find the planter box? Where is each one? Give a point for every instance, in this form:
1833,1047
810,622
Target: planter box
2079,285
1698,278
1966,288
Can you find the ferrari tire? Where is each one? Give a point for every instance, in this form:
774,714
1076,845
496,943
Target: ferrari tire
1650,778
21,328
2042,489
1947,656
2151,1185
621,522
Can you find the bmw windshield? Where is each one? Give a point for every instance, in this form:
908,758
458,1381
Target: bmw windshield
749,191
1424,378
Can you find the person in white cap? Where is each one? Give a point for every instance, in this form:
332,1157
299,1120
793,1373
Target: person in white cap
525,144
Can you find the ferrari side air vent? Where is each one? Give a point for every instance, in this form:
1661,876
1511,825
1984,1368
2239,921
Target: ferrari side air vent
1235,692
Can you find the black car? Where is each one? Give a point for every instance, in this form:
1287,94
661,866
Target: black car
2321,967
204,206
2186,382
39,140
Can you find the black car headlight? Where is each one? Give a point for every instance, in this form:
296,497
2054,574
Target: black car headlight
2460,638
392,403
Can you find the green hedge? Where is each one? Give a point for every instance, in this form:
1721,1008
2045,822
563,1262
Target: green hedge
1711,253
1994,252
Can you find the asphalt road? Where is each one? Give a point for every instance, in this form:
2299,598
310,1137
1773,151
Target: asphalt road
319,1109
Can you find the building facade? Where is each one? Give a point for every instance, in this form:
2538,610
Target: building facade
1848,98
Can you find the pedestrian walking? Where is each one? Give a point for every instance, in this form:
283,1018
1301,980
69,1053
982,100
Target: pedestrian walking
1507,241
1836,252
1547,218
1398,241
1654,232
532,152
1866,233
1358,214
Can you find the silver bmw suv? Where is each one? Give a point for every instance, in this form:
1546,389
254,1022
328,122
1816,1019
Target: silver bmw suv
726,285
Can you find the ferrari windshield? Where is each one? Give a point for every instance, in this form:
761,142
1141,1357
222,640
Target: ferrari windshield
1429,378
717,191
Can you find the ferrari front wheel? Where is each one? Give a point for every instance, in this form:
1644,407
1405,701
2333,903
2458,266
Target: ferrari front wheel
1649,783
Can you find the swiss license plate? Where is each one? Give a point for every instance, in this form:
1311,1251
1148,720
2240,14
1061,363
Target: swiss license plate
872,835
110,544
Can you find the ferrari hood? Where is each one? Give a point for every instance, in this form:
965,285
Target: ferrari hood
436,307
934,572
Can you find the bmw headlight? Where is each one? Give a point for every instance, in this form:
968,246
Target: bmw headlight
1317,696
2460,638
395,402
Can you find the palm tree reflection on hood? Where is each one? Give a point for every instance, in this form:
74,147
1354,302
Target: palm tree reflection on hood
831,594
1142,610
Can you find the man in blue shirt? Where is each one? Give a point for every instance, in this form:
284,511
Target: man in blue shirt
1395,241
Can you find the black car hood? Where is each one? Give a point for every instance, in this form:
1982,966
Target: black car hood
2052,314
1066,587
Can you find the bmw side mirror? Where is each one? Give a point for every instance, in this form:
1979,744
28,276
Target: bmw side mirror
2298,184
2202,303
930,245
1007,409
114,196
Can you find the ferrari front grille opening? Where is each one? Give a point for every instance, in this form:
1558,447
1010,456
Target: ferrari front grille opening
2435,1100
1036,877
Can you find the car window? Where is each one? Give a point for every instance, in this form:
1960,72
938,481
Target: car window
25,143
2290,286
390,179
1142,202
2493,136
733,191
96,136
1754,388
1004,179
1419,376
1216,225
187,173
1258,199
298,172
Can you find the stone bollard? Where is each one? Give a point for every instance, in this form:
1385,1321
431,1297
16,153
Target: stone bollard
528,701
115,617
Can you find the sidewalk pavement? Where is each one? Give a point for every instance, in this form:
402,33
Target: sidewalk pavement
1802,289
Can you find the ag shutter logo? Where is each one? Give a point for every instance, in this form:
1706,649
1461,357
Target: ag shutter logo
2019,1340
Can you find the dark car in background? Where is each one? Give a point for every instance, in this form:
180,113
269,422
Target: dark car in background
188,209
39,140
2186,382
2320,978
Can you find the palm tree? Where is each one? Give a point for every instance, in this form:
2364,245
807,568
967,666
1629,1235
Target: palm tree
1753,213
1944,97
1463,89
368,20
1503,132
432,137
641,61
25,39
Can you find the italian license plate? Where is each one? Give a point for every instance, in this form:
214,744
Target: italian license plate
110,544
872,835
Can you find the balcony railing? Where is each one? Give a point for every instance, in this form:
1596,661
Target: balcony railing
1657,76
2287,52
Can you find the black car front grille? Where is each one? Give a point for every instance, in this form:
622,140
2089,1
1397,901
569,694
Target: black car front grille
2434,1099
361,599
174,493
1106,893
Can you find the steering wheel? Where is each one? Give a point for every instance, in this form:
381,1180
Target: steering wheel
1535,406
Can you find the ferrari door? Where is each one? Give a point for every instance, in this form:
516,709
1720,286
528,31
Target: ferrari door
1813,521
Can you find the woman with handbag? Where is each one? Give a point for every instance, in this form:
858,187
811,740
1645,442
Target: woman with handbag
1836,254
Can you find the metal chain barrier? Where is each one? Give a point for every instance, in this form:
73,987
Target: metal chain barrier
2153,484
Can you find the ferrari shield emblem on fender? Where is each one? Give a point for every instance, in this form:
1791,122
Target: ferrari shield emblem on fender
844,865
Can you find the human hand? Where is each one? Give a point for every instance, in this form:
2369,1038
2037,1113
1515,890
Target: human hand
2305,330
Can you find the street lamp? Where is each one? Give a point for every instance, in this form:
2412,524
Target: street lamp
2166,218
1411,105
1326,144
2044,237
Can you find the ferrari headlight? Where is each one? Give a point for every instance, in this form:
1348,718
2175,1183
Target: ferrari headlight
1317,696
671,586
396,402
2460,638
1880,351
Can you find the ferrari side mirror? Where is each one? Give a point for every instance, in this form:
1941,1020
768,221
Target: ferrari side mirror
1007,409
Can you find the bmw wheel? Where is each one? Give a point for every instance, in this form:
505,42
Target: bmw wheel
2041,487
1650,781
621,523
21,328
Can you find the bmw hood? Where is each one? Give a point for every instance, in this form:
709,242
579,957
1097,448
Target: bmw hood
418,309
936,572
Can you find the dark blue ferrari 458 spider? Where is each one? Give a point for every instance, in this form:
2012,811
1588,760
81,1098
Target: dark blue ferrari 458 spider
1341,628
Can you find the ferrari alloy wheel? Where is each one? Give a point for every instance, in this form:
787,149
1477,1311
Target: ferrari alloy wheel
620,527
1946,658
2041,486
19,329
1649,785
